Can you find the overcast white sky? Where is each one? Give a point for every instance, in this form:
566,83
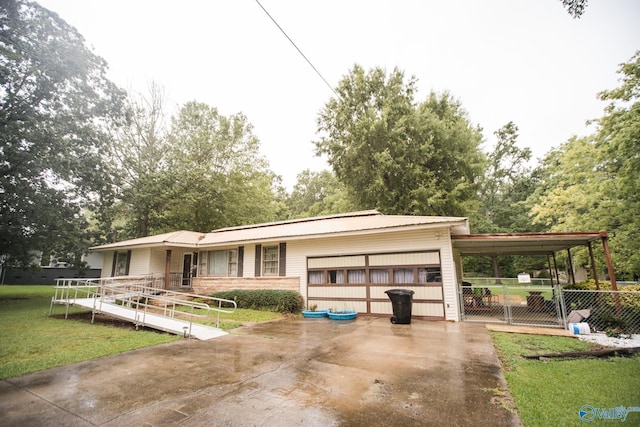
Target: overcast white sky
525,61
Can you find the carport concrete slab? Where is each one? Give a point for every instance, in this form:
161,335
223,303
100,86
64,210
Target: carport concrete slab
312,372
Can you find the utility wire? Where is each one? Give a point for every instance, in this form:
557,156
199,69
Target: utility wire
298,49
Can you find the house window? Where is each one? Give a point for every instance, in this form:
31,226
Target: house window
429,275
403,275
378,276
316,277
336,276
121,264
223,263
356,276
270,260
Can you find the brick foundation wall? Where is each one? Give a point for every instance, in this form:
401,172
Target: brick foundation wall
209,285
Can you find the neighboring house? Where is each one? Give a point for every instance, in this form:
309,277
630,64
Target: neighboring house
50,270
344,261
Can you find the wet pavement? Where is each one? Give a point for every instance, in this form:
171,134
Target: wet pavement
302,372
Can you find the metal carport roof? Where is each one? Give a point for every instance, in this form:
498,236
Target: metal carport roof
522,243
532,244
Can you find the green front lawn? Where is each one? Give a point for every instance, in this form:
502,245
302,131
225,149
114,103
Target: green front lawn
31,341
551,393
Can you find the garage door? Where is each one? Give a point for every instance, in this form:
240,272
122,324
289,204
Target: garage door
359,282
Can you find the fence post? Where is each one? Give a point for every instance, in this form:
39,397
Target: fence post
562,310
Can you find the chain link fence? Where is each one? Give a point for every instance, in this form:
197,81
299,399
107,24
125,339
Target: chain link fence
512,304
613,312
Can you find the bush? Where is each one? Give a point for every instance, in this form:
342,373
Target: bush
280,301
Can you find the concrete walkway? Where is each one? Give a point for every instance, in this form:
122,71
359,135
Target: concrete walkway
295,372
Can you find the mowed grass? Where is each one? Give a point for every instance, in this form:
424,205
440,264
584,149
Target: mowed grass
550,393
31,340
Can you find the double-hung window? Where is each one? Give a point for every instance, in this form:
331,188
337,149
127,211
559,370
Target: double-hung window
222,263
270,260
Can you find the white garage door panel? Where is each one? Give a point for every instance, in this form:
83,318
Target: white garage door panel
359,306
337,291
420,292
428,292
423,258
382,307
428,309
335,262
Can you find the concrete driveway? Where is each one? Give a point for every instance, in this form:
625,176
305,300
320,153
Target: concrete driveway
311,372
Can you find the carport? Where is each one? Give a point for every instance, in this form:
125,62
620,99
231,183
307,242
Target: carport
548,244
524,302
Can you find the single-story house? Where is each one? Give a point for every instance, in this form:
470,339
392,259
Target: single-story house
344,261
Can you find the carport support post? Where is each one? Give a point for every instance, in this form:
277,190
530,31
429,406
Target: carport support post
594,270
167,270
571,275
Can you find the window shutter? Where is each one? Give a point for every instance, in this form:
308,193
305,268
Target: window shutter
113,264
258,260
240,260
204,263
282,262
126,271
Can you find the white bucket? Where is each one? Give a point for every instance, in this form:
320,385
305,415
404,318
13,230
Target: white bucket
579,328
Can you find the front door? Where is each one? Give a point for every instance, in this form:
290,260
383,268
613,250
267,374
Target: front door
189,269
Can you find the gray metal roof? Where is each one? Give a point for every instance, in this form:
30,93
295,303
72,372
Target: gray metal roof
363,222
180,238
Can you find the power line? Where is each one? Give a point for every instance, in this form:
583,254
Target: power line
298,49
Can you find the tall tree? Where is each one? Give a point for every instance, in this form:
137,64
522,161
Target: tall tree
397,155
506,184
318,193
592,183
221,179
55,106
140,151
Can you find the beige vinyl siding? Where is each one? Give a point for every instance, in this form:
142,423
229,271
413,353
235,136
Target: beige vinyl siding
107,264
139,263
449,279
158,259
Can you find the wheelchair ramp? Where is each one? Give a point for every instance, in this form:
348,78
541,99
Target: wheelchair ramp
168,311
150,320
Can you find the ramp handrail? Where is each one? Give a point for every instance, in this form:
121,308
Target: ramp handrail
135,293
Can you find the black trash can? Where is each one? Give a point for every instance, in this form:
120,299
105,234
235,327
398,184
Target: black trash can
401,300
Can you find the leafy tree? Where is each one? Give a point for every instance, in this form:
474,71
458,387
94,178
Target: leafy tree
506,184
140,151
396,155
505,187
575,8
221,179
318,193
55,106
619,140
592,183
